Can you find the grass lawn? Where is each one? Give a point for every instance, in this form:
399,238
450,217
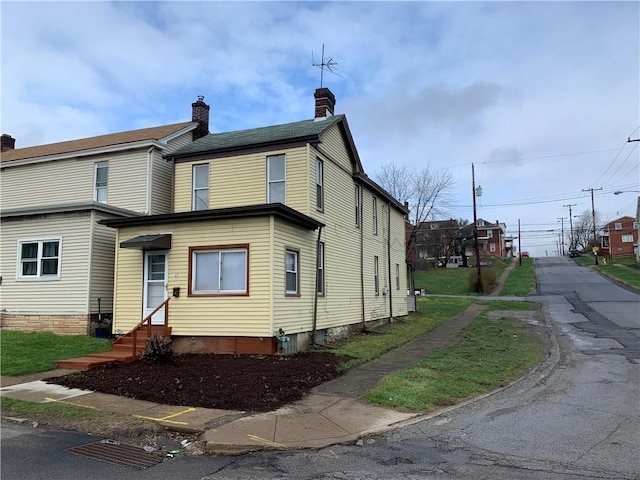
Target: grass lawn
31,352
625,270
453,281
521,280
433,311
485,355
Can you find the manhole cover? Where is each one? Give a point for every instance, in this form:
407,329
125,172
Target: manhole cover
118,454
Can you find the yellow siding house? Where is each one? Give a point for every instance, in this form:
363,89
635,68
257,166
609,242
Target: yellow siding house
273,228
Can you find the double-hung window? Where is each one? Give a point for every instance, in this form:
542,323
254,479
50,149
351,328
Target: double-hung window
627,238
319,184
101,177
292,272
39,259
200,187
276,179
617,226
218,271
320,272
492,247
376,276
397,276
375,216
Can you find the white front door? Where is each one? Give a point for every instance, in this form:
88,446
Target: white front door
155,284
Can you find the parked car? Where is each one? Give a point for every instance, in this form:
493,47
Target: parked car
574,252
525,254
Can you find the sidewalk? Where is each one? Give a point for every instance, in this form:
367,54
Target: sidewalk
332,413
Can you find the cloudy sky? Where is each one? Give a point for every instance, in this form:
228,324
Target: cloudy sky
540,96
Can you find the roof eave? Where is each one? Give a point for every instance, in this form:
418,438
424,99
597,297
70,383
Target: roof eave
276,209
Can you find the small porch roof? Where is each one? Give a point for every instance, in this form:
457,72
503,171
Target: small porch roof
161,241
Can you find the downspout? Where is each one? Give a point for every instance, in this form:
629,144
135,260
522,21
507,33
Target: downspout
360,193
315,300
389,260
149,166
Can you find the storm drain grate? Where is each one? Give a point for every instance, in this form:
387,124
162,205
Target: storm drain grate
118,454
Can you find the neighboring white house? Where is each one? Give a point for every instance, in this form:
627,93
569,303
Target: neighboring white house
57,260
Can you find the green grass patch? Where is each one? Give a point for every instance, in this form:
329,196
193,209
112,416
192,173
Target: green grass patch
31,352
624,269
521,279
485,355
454,281
433,311
35,410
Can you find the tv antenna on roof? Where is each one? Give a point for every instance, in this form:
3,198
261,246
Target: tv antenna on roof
327,63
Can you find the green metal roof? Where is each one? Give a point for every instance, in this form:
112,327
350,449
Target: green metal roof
254,137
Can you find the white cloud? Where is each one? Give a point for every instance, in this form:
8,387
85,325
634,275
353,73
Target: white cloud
499,84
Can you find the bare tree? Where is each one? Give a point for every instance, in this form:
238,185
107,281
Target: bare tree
426,191
583,230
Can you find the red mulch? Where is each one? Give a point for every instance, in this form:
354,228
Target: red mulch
252,383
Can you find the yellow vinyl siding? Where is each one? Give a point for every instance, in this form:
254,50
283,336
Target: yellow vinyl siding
242,180
333,145
294,314
218,315
69,294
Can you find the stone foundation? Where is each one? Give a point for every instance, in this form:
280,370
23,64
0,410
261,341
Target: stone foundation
61,324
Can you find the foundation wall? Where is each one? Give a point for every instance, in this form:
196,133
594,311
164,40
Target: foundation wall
61,324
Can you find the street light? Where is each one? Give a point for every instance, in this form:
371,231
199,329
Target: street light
618,192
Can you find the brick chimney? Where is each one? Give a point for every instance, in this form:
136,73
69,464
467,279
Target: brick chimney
325,102
8,142
200,114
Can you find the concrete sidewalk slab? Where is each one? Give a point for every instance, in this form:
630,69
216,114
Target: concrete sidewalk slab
40,392
315,422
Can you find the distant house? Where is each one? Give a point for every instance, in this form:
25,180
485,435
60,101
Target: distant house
272,228
620,237
492,241
57,260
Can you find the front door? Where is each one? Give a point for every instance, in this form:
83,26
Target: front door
155,284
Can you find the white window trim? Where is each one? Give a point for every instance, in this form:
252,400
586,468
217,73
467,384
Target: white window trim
375,216
489,233
283,181
39,277
196,250
627,238
397,276
97,166
194,189
617,226
492,247
320,289
376,275
296,272
319,184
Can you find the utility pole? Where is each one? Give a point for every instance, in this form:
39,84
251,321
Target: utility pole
593,218
475,229
519,243
562,232
570,223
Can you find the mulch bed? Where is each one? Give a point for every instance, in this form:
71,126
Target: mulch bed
252,383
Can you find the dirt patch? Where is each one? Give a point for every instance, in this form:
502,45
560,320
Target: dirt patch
251,383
